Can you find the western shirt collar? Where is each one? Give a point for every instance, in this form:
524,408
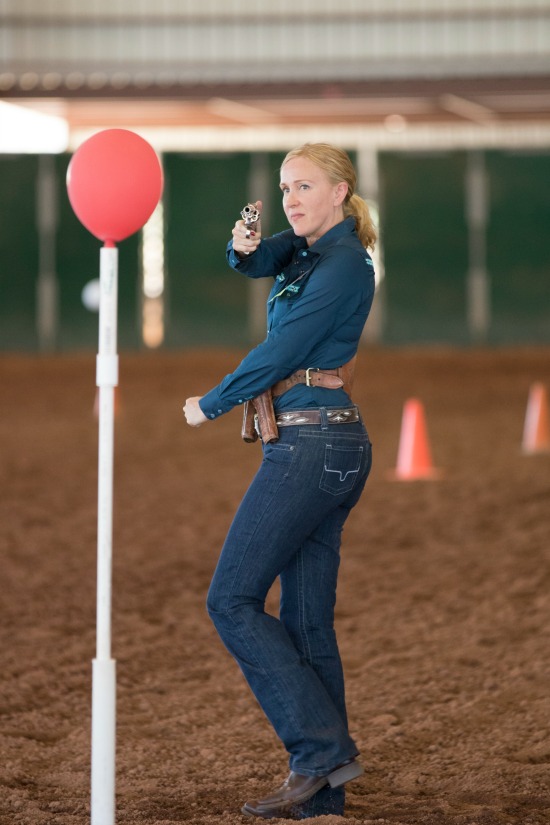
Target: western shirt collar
340,230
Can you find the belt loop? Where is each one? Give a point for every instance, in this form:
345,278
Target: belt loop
324,418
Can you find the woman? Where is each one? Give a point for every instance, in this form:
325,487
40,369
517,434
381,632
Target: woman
290,521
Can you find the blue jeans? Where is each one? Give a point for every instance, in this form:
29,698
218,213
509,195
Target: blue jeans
289,525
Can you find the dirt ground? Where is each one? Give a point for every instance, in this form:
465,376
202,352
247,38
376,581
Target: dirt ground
443,611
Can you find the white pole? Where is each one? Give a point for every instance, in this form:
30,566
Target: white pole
103,667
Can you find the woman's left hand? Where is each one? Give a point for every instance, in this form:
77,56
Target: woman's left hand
193,413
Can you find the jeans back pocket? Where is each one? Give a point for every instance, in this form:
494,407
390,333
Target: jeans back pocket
341,469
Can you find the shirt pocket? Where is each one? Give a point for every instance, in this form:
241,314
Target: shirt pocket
341,469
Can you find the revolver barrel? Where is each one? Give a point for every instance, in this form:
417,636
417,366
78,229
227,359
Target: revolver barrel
250,215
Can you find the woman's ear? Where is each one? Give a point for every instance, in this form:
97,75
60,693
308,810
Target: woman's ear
340,192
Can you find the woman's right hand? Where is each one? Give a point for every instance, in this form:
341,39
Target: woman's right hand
246,239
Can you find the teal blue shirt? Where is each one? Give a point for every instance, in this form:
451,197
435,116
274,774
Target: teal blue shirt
316,311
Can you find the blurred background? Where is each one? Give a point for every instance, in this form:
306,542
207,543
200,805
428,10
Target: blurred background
443,105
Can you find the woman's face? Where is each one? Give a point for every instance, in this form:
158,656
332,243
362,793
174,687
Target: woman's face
312,204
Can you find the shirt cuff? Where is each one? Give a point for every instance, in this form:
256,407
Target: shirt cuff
232,257
212,406
235,260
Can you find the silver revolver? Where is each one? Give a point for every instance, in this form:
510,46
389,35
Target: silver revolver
250,216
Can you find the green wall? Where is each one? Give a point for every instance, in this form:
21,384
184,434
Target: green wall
519,246
423,220
423,228
425,246
207,301
77,262
18,252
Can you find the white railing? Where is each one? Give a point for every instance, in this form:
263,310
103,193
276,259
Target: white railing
173,41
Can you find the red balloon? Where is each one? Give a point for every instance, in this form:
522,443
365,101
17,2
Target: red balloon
114,182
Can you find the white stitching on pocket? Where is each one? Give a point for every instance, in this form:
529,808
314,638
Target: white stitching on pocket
342,476
346,464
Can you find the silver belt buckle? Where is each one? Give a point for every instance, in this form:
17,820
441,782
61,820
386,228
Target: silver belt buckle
308,377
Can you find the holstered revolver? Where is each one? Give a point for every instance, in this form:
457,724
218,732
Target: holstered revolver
259,411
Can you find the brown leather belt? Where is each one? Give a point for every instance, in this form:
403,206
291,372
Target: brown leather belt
329,379
259,416
347,415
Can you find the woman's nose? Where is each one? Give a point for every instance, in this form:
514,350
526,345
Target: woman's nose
292,199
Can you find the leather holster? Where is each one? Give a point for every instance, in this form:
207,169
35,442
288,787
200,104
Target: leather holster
259,415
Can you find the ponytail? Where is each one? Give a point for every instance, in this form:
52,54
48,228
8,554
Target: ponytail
364,226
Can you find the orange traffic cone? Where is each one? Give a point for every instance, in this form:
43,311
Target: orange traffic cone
414,459
536,430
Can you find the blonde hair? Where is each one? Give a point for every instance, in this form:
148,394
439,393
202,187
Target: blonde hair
338,167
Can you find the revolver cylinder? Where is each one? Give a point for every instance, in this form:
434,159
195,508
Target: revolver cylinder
250,215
